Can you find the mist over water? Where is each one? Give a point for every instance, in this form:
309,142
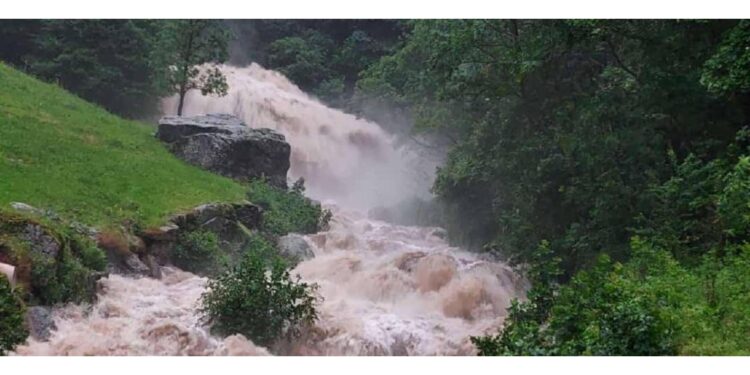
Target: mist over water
387,289
341,157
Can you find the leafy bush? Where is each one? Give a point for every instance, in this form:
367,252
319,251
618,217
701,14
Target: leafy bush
92,257
603,311
259,299
199,252
12,330
287,211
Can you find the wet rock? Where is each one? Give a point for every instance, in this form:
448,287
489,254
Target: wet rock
232,224
407,261
248,214
439,233
134,265
120,259
154,270
135,243
295,248
225,145
40,241
166,232
40,323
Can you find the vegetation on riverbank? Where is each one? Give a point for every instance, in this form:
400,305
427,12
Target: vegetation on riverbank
607,159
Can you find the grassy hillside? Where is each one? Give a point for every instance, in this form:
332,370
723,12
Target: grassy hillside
58,151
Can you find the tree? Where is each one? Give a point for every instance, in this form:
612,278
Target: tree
103,61
186,45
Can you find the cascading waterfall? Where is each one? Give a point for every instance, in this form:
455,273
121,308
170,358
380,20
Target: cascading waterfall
387,289
341,157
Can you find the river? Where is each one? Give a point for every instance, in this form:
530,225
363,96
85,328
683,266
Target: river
386,289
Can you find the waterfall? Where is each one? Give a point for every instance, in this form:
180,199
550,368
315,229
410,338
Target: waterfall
387,289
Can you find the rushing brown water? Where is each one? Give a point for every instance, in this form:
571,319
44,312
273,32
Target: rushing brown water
139,317
395,290
387,289
341,157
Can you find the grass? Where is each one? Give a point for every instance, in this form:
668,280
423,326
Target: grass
60,152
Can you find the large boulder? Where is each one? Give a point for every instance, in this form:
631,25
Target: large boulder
294,248
230,222
225,145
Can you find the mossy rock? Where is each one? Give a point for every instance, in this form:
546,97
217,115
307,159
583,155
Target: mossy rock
53,263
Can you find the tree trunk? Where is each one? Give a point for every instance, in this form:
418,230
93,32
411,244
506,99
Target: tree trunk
182,102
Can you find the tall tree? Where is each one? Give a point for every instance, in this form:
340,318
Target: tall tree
188,53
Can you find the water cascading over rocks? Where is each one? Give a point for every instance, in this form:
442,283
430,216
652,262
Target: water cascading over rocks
342,157
387,289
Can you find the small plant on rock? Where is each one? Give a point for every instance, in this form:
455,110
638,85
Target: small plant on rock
199,252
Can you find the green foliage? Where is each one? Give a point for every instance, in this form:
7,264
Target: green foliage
61,280
102,61
728,70
287,211
733,205
702,207
185,45
259,299
651,305
103,170
605,310
323,57
558,130
304,60
199,252
12,329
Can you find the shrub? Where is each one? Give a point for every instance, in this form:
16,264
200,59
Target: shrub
259,299
12,330
91,256
606,310
199,252
287,211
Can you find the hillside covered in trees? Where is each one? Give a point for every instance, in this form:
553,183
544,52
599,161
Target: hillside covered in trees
606,160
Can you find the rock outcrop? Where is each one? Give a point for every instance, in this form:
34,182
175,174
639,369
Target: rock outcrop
231,223
54,260
225,145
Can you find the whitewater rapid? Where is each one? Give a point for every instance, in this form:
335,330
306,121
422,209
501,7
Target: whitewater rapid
342,157
138,316
398,290
386,289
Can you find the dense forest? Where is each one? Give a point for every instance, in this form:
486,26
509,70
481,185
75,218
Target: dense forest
607,160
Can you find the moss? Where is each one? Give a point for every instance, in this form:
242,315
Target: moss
199,252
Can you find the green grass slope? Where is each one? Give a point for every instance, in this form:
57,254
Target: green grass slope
58,151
